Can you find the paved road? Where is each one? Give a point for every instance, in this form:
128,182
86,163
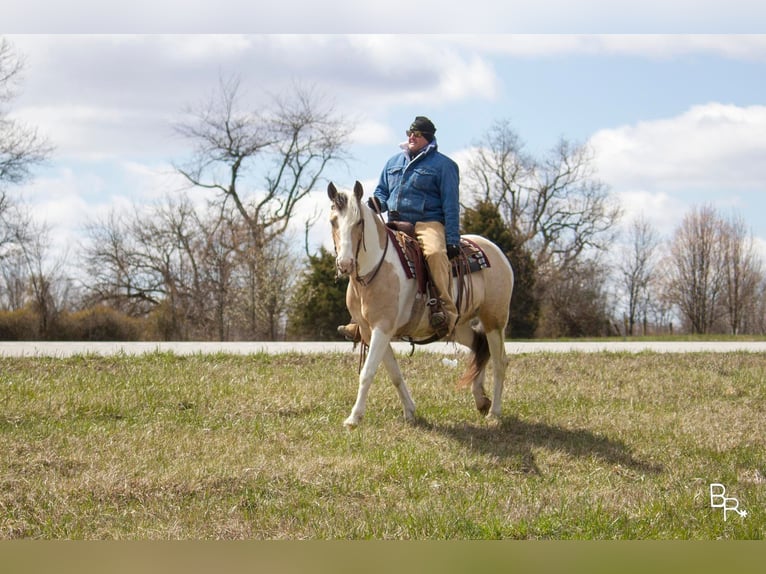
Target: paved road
45,349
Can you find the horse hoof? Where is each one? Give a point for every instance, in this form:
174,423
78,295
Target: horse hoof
351,423
493,420
484,405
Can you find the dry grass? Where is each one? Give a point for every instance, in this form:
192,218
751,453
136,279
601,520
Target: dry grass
229,447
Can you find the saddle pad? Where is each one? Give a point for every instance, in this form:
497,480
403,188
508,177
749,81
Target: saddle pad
411,256
477,259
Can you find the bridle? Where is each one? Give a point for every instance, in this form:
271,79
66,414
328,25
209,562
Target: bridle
368,277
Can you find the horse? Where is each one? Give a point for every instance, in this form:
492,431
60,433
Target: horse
386,305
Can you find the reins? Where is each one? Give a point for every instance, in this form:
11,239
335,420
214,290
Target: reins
368,278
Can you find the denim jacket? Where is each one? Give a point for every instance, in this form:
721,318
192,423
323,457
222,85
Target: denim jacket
422,189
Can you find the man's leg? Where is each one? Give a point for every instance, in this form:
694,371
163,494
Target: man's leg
433,241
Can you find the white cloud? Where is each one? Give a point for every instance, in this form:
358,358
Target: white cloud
426,16
655,46
102,95
114,97
370,132
663,211
710,147
710,154
94,133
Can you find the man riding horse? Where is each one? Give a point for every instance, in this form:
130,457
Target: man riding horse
420,186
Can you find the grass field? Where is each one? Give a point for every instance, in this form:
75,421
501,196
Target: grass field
591,446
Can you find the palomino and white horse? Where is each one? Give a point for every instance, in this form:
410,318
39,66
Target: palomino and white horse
383,301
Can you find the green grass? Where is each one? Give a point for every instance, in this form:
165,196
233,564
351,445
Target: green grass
591,446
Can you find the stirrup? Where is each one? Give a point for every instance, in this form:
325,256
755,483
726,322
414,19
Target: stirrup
439,324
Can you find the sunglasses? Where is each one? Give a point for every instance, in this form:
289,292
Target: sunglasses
414,134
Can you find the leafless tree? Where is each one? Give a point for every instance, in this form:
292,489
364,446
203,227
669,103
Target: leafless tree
555,205
742,273
191,267
287,146
47,280
637,268
21,146
16,228
148,260
694,280
577,302
30,276
23,243
755,320
277,278
219,244
714,275
263,163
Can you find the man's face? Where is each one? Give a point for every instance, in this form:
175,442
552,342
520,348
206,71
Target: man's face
415,141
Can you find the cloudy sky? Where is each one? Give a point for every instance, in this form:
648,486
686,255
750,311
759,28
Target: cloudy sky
675,119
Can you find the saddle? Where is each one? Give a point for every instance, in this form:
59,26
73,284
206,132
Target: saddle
470,260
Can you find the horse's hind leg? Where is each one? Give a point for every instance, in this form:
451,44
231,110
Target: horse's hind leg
499,364
395,373
475,374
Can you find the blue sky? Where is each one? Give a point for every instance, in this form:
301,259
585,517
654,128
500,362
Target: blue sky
675,119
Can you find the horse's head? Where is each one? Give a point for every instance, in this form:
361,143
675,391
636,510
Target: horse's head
347,220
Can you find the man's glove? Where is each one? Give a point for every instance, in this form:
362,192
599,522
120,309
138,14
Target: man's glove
374,204
453,251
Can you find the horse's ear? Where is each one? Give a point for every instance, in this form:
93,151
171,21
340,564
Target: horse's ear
358,190
332,192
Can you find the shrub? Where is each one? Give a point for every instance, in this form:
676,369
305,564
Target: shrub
20,325
98,324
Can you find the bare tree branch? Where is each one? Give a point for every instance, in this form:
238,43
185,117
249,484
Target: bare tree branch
21,147
555,205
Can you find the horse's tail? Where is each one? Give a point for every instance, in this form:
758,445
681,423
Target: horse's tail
479,357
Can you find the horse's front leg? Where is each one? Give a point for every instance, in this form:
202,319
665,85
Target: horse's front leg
379,346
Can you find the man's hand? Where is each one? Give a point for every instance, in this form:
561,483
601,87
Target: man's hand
453,251
374,204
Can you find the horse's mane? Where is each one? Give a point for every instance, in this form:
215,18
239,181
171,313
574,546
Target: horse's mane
354,206
346,203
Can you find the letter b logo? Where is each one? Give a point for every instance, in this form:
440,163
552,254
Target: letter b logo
718,499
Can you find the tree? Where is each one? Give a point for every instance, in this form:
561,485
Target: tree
319,303
288,145
637,268
158,260
577,302
30,278
118,267
714,276
21,148
189,267
484,219
694,282
742,273
555,205
263,163
218,245
268,287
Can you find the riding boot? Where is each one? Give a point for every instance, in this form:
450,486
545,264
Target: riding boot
350,332
441,320
432,239
438,319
